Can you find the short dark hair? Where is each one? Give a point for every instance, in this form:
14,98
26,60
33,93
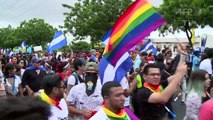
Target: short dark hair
77,62
105,91
24,108
150,65
50,81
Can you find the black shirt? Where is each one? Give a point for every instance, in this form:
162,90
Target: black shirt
33,80
150,111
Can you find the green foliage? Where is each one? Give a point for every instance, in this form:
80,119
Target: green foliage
35,32
179,12
80,46
93,18
7,37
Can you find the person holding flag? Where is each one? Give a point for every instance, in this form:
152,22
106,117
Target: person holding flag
153,95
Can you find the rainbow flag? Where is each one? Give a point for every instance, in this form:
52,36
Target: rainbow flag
137,22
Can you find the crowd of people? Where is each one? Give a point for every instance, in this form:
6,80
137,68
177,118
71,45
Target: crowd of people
68,86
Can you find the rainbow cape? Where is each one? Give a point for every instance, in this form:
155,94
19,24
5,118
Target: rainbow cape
155,89
137,22
44,97
112,116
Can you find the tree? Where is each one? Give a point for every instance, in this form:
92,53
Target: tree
183,15
80,46
8,38
93,18
35,32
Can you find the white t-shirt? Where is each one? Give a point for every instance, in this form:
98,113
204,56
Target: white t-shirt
71,79
9,87
22,71
78,97
57,114
206,65
125,85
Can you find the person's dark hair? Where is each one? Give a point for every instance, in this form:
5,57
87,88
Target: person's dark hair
209,52
198,75
25,63
159,57
105,91
148,66
50,81
144,54
60,66
16,58
18,68
24,108
150,54
59,58
77,62
7,68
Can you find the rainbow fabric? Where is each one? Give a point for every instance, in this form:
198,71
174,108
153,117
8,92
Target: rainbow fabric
137,22
44,97
156,89
112,116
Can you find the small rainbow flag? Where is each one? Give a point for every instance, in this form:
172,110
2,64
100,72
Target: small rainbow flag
137,22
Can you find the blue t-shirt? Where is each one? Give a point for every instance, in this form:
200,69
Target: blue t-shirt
195,65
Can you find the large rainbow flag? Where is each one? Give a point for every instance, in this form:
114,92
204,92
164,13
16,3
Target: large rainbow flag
137,22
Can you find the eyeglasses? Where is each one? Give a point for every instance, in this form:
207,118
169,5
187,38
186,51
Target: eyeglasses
154,74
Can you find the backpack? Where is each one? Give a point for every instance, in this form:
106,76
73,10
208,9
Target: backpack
77,78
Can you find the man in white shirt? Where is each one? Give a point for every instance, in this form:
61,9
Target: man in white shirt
53,95
85,98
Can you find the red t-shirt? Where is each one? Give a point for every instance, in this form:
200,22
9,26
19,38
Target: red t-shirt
64,76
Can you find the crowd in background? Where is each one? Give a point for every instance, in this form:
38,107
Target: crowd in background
195,86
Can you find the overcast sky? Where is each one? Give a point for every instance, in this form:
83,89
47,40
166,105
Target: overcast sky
14,11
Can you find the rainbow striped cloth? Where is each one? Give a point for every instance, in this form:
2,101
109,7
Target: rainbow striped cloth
137,22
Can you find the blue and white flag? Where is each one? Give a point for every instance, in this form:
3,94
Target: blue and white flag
203,44
58,42
105,39
23,46
3,51
148,46
10,53
110,73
